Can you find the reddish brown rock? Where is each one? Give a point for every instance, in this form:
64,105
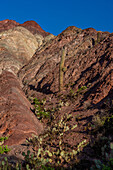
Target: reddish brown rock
35,28
16,119
7,24
85,62
89,64
32,26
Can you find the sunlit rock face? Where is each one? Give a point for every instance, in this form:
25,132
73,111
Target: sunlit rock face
34,28
7,24
17,46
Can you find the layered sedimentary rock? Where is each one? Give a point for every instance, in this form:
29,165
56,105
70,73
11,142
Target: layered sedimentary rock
16,119
32,26
17,46
7,24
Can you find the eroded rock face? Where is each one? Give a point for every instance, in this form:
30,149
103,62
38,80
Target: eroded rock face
86,63
16,119
89,64
7,24
35,28
17,46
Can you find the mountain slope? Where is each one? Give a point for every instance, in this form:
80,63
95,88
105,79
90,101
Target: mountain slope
30,70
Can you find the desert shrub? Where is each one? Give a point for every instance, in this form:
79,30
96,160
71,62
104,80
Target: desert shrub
4,149
40,110
57,152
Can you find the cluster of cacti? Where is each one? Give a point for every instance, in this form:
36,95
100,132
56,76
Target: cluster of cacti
62,69
47,152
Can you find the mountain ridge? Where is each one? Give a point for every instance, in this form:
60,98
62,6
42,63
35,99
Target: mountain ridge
30,25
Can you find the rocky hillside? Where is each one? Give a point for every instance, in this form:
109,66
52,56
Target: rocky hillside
30,100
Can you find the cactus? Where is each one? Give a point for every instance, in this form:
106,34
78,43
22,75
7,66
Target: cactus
61,69
98,37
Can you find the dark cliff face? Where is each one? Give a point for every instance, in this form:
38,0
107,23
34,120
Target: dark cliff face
29,67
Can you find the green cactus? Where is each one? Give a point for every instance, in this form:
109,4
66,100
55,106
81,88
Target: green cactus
62,69
98,37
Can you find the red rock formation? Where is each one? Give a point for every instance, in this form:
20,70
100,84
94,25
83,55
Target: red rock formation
7,24
81,53
85,64
88,64
32,26
16,119
35,28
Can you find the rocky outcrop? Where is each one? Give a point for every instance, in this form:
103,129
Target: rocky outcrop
7,24
35,28
88,65
85,62
32,26
17,46
16,119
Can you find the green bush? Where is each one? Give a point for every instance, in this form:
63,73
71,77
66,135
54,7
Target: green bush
4,149
40,111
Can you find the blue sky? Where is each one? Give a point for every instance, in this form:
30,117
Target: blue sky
54,16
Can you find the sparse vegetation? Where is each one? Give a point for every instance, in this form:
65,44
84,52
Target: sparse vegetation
81,89
50,153
73,95
4,149
2,139
57,153
40,111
